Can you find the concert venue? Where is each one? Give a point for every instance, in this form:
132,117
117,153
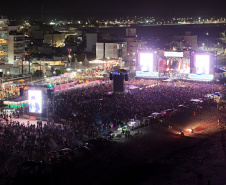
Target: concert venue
186,65
100,122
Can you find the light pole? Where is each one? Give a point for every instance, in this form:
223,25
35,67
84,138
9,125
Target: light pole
215,53
69,55
207,44
31,77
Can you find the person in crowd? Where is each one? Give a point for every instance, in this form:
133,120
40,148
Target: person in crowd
85,111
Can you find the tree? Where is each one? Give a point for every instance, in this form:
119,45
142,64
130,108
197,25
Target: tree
62,71
32,50
223,36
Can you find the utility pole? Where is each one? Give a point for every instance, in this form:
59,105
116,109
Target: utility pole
40,68
53,104
29,67
22,65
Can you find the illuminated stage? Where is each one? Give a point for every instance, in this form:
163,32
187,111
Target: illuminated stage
184,65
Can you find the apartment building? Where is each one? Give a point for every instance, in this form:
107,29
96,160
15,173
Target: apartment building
16,46
3,41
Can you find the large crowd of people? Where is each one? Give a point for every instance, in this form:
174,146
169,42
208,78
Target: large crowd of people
91,107
85,112
20,142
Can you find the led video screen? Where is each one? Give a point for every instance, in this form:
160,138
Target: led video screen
179,65
146,61
202,64
35,101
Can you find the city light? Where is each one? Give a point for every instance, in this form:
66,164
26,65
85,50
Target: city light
50,85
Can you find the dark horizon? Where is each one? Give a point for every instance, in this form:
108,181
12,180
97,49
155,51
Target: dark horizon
95,9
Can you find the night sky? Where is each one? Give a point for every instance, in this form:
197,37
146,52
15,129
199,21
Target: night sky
70,8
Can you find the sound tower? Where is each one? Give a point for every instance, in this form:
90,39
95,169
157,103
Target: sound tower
110,76
21,91
118,83
49,93
126,77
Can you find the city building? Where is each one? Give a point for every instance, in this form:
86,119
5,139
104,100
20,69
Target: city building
16,46
186,41
55,39
114,50
134,43
91,40
100,50
131,32
3,41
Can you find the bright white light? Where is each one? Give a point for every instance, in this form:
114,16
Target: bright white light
35,101
202,64
173,54
146,61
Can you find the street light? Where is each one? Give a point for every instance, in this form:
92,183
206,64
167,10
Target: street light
69,55
203,44
207,45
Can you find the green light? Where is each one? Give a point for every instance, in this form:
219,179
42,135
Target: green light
50,85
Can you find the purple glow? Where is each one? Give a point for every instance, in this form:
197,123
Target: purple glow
202,64
146,61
